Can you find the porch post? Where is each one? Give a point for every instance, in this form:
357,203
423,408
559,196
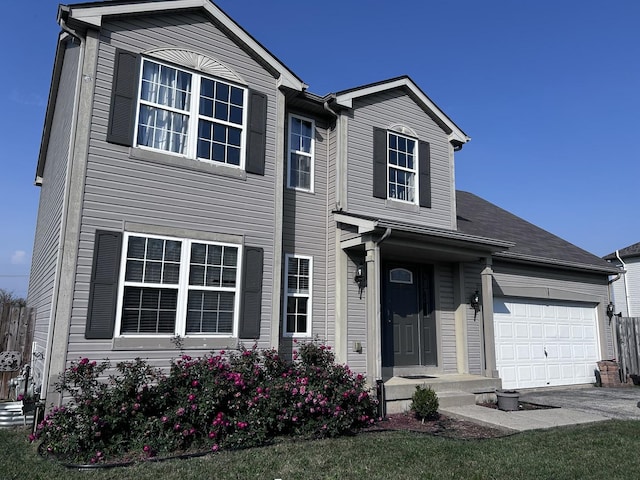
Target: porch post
374,339
487,320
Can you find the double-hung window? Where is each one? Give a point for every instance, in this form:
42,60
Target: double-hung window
298,276
301,153
402,158
190,114
175,286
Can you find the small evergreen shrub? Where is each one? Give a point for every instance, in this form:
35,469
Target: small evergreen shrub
214,402
424,403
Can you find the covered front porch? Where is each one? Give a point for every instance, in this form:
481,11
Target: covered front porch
415,284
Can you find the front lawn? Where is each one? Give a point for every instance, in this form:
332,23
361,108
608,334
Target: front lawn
601,450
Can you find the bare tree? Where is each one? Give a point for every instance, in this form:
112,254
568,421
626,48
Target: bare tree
9,297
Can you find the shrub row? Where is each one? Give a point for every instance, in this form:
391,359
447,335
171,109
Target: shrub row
215,402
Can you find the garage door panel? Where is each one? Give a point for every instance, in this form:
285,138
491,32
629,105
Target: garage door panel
507,353
524,331
537,331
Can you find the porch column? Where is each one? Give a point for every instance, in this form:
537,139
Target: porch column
374,335
487,320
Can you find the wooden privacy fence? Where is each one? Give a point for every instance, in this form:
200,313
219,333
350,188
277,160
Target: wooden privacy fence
627,331
16,335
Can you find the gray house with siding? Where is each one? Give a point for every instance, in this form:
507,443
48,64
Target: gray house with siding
626,285
194,192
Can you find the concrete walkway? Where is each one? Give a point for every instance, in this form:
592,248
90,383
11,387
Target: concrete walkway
574,406
521,420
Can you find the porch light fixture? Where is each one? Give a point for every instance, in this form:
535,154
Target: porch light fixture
361,277
611,312
474,301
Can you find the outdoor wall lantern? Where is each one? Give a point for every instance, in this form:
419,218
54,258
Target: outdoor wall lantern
361,277
475,301
611,312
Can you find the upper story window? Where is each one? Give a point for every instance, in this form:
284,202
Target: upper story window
401,167
190,114
177,286
402,172
301,153
298,275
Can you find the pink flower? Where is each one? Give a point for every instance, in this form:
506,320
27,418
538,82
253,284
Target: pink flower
180,412
84,361
191,397
164,419
195,383
215,448
146,448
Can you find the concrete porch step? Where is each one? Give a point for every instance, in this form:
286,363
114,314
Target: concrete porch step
452,390
445,400
455,399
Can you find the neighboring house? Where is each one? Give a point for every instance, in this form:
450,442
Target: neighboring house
194,193
626,285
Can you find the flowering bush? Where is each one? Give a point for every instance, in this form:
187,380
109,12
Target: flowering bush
216,402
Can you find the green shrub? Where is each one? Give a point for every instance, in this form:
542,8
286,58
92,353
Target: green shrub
215,402
424,403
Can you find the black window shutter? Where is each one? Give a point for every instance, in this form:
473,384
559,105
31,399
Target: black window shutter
103,290
251,310
257,134
424,166
379,163
124,98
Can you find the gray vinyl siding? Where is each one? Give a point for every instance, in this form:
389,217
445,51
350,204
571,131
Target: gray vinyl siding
42,281
122,189
305,232
384,110
619,295
473,282
446,311
632,280
357,319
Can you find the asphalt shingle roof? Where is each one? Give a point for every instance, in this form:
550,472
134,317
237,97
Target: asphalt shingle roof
477,216
630,251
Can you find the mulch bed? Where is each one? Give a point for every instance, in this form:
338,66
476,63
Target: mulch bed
442,426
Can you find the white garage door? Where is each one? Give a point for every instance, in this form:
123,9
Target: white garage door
542,344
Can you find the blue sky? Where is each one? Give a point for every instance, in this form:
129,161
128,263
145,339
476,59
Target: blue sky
548,91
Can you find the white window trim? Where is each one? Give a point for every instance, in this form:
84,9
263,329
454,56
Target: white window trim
194,114
311,154
415,170
183,288
286,295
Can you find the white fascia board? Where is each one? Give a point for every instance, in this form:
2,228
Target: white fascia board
346,100
364,225
93,15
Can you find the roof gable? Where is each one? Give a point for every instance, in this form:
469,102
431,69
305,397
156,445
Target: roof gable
345,98
477,216
93,14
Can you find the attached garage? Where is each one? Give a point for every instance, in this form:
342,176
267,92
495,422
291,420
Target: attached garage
545,343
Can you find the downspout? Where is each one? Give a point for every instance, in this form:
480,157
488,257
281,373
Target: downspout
626,286
63,223
384,236
326,240
338,165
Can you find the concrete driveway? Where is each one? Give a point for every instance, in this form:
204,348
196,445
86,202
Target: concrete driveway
621,403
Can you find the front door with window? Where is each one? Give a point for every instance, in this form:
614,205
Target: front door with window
409,337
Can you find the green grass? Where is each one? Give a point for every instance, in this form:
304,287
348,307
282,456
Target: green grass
607,450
